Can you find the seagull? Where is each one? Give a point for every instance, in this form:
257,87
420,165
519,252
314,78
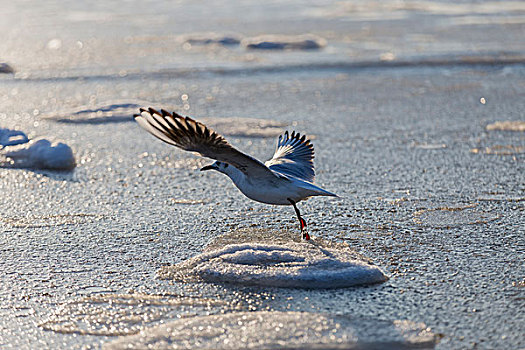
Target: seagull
285,179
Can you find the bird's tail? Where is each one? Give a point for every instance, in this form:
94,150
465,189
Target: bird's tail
326,193
314,190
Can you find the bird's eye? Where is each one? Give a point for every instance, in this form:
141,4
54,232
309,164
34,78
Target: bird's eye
226,165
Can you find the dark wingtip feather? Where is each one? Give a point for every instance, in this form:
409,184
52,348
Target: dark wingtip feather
139,114
152,110
191,124
183,131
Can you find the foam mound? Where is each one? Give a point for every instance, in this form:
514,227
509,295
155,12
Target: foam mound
507,125
116,111
284,42
211,39
283,263
39,154
12,137
6,68
120,111
279,330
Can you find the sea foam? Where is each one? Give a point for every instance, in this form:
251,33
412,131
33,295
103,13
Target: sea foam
284,42
39,154
314,264
279,330
12,137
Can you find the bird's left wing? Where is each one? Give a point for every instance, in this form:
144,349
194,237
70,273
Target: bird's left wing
193,136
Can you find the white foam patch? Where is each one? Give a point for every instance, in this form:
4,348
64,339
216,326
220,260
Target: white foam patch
279,330
112,314
502,150
282,263
508,125
116,111
247,127
34,221
39,154
284,42
211,39
429,146
122,111
445,217
12,137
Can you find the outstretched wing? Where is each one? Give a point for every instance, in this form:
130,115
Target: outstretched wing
193,136
294,156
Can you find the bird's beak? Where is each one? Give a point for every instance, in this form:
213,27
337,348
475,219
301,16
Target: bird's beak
209,167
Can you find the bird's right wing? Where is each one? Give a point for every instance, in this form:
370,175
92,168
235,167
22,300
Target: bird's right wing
193,136
294,156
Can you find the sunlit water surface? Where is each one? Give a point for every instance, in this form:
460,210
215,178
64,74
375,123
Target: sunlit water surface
416,112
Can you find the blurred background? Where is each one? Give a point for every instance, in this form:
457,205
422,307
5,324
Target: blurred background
74,39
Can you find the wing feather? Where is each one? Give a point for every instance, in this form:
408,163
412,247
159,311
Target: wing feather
193,136
294,156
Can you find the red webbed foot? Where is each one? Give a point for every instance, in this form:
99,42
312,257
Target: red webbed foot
306,236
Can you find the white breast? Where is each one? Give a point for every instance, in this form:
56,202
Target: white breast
274,192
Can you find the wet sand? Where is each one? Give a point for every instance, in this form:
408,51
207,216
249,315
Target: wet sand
431,192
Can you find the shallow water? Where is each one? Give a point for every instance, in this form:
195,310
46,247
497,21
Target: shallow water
401,123
280,330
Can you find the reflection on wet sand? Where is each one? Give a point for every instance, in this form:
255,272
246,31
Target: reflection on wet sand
281,330
122,314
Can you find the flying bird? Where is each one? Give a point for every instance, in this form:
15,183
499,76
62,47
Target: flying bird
285,179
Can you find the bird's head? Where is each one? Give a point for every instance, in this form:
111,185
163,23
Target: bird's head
219,166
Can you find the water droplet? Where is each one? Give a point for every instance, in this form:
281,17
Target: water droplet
387,56
54,44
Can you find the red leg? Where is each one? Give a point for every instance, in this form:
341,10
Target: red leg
302,222
306,236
